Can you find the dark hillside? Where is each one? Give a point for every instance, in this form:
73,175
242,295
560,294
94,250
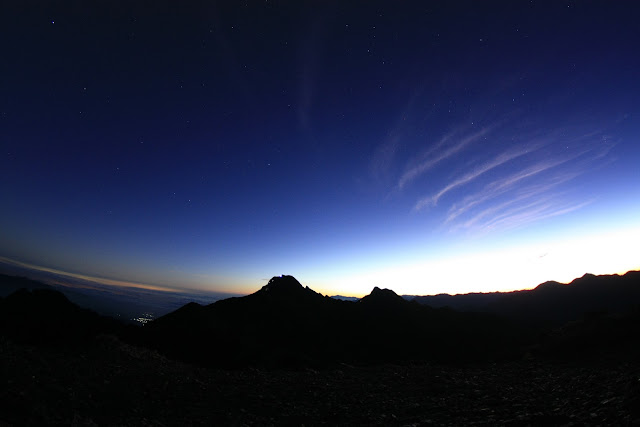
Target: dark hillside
282,323
46,317
551,304
285,323
10,284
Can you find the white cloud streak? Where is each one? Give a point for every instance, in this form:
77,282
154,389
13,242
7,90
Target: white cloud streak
525,215
506,184
431,159
529,204
503,158
499,215
520,184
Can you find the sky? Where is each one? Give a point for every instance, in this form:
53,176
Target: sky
424,147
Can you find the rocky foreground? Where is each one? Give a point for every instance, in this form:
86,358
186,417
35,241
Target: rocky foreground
109,382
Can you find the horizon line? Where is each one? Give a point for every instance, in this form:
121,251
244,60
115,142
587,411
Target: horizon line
145,286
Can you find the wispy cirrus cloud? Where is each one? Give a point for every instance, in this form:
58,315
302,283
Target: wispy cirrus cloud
438,153
535,211
382,160
534,190
505,184
504,175
501,159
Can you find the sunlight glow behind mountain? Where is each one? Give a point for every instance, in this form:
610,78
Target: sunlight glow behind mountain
510,268
424,148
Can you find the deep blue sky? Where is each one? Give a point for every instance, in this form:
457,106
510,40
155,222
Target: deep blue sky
454,147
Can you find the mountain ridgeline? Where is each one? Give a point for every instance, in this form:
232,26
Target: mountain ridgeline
44,316
286,325
550,303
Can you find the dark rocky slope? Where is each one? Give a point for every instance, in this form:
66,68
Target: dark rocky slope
109,383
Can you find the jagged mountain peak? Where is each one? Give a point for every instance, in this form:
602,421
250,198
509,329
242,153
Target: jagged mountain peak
283,283
377,291
285,287
382,296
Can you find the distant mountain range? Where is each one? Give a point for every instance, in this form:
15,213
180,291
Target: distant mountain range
128,304
43,316
285,324
551,303
344,298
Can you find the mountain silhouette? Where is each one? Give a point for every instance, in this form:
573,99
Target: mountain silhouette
44,316
284,287
285,323
11,284
383,298
103,379
551,303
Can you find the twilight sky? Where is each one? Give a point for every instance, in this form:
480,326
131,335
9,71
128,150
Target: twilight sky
422,147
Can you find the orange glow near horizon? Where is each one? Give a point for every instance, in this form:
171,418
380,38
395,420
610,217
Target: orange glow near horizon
504,269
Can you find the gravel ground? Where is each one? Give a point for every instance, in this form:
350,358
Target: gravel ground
112,383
